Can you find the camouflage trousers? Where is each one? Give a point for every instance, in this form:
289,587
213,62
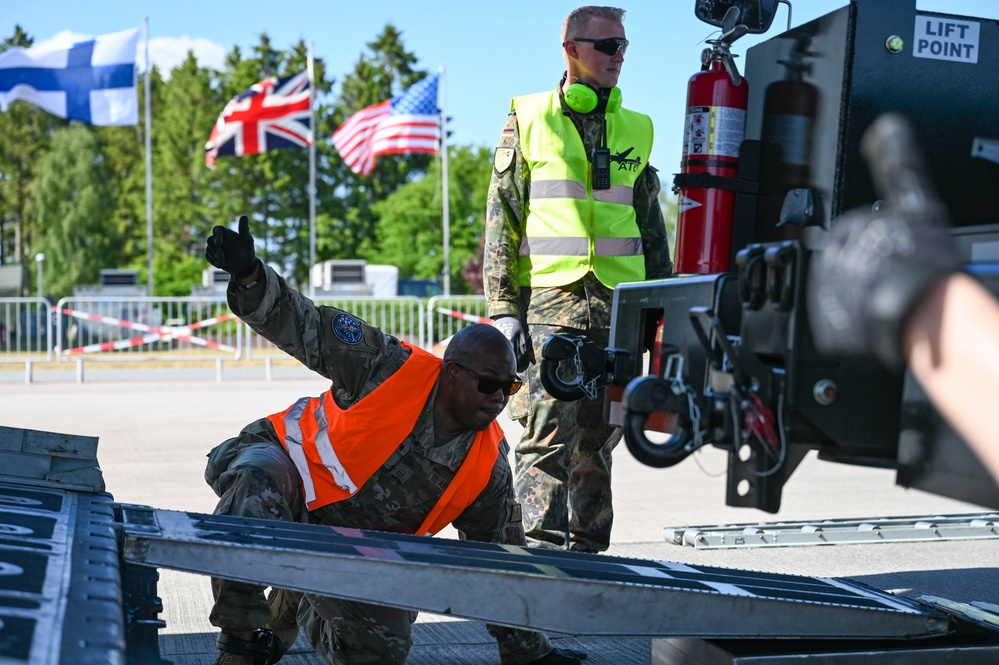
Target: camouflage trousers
254,477
563,460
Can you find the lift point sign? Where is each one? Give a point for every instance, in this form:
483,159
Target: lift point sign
946,39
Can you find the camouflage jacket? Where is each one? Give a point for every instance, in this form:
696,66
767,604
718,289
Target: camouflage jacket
356,357
587,302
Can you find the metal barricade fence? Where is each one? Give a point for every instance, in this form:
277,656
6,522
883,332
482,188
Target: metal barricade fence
25,330
446,315
167,329
400,316
142,328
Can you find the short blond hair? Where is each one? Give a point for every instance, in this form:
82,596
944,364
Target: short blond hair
578,20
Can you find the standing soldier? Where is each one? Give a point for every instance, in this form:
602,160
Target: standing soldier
338,460
573,211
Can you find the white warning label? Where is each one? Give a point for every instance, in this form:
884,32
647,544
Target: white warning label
713,130
684,204
945,39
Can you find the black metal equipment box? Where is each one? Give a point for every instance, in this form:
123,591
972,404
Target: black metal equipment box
872,56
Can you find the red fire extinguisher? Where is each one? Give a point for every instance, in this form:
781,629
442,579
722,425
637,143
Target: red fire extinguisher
717,99
790,112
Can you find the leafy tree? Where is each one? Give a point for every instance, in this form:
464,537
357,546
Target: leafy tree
290,234
25,130
71,195
183,202
240,185
271,187
379,75
410,225
101,191
124,151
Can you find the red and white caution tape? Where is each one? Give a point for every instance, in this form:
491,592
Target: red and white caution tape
166,333
465,317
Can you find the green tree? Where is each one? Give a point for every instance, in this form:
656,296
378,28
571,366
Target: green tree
410,225
188,198
348,230
24,136
271,187
240,185
71,196
183,202
123,149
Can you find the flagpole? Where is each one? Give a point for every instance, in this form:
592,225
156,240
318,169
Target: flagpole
149,169
312,173
444,186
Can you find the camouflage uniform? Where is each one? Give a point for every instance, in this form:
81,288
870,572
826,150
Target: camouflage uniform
563,474
254,477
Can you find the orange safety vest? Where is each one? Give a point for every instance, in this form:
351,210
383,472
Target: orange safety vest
365,438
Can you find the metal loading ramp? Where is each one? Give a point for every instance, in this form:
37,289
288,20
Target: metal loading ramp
555,591
61,587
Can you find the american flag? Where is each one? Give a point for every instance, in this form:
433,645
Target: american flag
271,115
407,123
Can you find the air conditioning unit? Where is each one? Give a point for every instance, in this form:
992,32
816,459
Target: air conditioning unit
111,277
214,279
340,276
113,282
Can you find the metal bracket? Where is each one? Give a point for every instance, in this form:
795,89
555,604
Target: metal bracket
987,149
828,532
593,366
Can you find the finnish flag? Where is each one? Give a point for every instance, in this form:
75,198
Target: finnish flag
91,81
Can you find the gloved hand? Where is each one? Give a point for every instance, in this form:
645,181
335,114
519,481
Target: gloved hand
514,331
875,267
232,251
559,656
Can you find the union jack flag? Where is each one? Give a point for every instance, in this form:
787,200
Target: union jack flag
271,115
407,123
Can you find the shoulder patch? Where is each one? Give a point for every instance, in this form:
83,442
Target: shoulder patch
347,329
503,160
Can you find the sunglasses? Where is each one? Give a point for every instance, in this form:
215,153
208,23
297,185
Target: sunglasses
610,45
489,386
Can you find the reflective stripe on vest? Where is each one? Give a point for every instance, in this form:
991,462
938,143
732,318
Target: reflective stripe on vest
569,228
336,451
567,189
580,246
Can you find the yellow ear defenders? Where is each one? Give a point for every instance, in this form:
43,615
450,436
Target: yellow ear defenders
584,98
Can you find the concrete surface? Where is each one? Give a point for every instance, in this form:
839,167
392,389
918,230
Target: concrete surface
155,429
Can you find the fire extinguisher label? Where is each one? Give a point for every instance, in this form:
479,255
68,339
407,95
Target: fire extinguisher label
794,135
714,130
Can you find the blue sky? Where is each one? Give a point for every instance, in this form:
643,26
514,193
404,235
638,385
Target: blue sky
490,52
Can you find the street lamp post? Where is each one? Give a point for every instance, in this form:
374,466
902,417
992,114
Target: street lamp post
40,259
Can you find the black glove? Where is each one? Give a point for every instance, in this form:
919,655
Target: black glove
231,251
875,267
559,656
514,331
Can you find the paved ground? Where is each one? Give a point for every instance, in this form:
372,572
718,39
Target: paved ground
156,427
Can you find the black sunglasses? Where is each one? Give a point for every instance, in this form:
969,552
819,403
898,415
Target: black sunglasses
489,386
610,45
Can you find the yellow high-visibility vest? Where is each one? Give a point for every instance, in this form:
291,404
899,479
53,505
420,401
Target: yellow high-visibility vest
570,228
